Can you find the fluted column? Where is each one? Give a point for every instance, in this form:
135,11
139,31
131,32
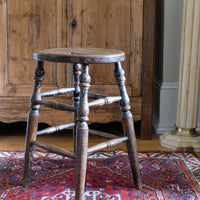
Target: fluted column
185,137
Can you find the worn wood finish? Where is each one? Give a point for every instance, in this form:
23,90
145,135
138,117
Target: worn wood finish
148,64
80,110
128,127
76,71
127,122
82,135
57,92
80,55
95,95
32,121
54,129
53,149
56,105
104,101
106,144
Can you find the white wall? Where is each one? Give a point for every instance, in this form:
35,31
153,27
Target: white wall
172,40
166,81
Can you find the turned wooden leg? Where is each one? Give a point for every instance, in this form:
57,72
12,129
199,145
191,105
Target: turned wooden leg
82,135
76,70
128,126
32,122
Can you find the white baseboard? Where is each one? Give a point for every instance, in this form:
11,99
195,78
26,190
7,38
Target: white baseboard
165,106
159,129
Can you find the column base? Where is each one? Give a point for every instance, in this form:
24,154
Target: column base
177,142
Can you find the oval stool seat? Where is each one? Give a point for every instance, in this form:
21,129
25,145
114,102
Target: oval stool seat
80,55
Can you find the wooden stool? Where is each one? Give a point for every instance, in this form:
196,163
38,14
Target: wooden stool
81,58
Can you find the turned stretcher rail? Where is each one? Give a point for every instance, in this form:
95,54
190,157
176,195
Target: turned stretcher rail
106,144
54,129
102,134
104,101
57,92
53,149
96,95
56,105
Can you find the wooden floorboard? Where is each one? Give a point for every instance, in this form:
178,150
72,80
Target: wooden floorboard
16,142
14,139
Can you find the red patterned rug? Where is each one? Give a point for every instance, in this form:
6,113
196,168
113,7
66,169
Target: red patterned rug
164,176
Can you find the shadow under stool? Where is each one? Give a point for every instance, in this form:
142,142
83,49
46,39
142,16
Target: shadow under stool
80,59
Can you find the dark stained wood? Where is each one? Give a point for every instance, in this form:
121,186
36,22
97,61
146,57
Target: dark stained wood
159,42
32,121
96,96
128,126
148,65
56,105
53,149
106,144
80,55
129,131
76,71
82,135
80,108
54,129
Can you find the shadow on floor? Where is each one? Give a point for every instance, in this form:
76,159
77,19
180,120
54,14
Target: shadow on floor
19,128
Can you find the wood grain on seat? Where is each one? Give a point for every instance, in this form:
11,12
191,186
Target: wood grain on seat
80,55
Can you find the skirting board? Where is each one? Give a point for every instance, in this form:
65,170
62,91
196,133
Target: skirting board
165,106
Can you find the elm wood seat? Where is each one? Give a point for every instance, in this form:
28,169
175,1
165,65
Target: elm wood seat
81,58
